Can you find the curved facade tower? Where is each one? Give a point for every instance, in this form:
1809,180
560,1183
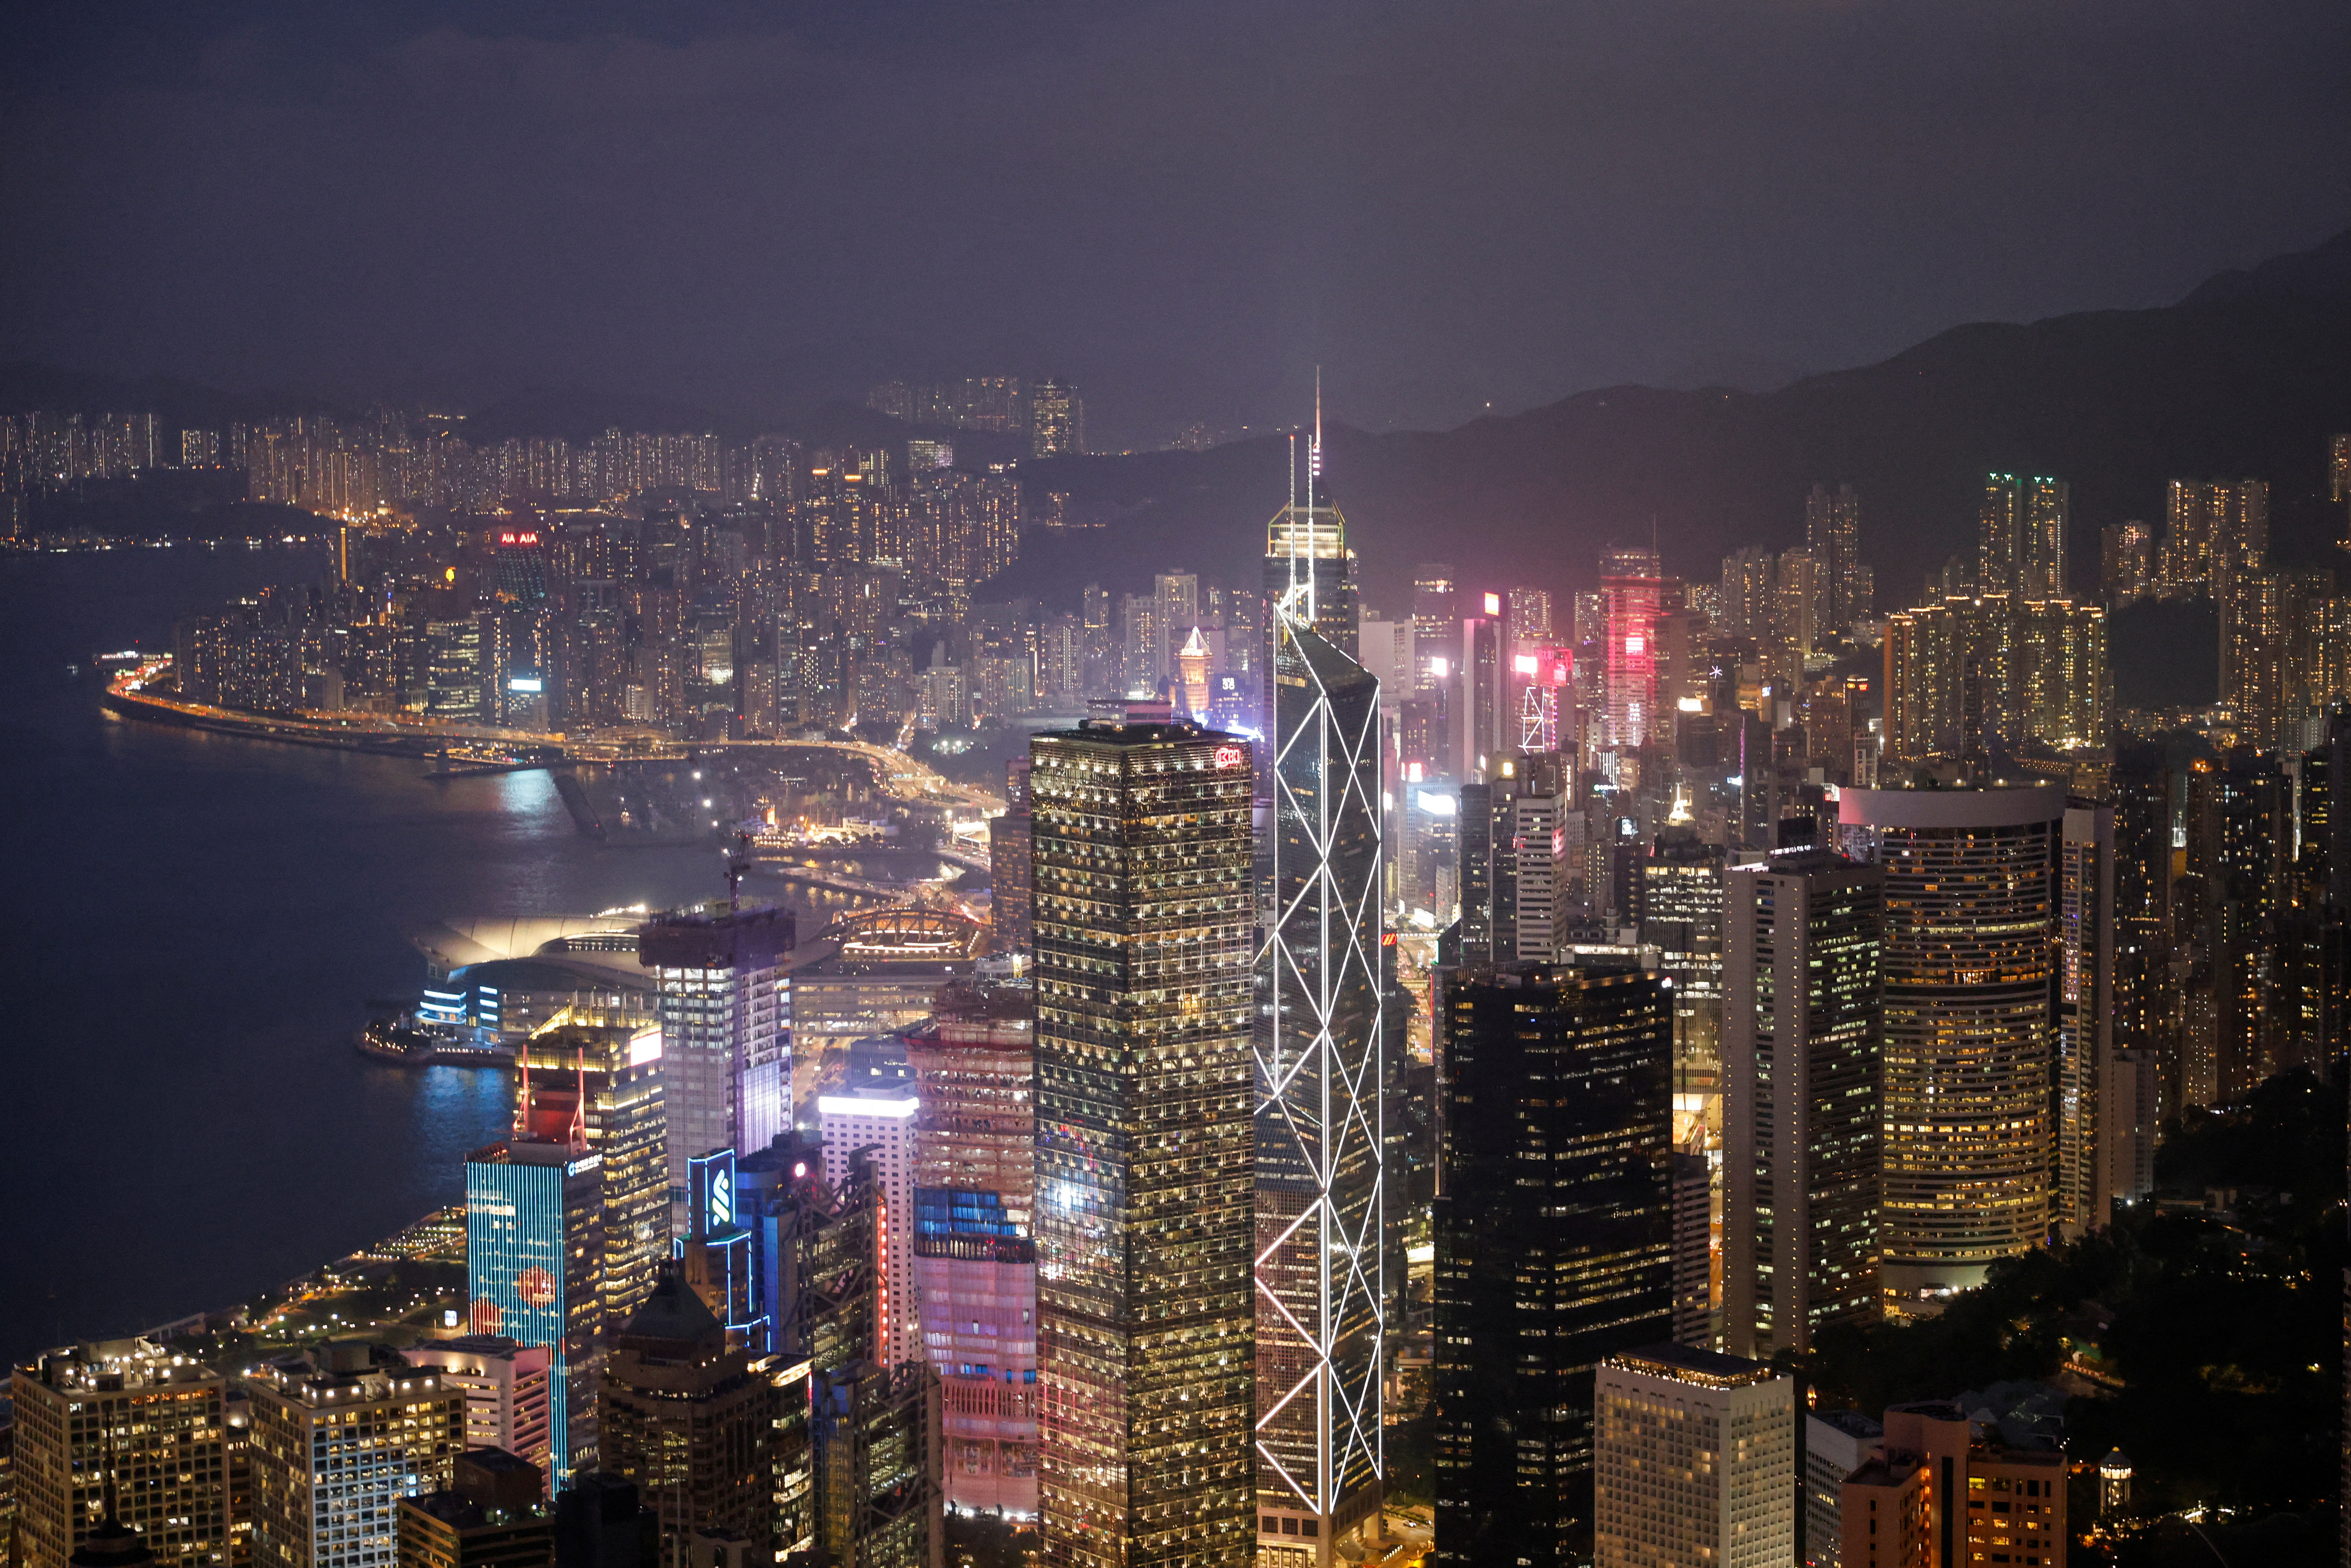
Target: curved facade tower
1969,963
1321,1270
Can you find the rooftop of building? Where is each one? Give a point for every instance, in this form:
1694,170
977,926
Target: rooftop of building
127,1364
1684,1364
1852,1423
549,972
716,936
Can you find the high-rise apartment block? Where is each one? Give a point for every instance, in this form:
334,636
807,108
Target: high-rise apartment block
1993,671
1833,538
1056,419
1971,892
1320,1066
727,1071
2095,1117
2022,536
1518,856
1144,919
338,1438
91,1414
1564,1071
1694,1461
1801,1113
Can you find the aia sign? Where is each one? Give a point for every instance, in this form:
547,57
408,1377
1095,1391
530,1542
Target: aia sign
1229,756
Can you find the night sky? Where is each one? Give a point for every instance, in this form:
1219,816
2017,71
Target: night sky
1183,206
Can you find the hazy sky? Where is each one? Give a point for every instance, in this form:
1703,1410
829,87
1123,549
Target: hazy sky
1183,206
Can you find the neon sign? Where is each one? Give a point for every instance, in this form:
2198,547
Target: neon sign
1229,756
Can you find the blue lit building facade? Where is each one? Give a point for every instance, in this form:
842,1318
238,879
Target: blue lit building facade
534,1272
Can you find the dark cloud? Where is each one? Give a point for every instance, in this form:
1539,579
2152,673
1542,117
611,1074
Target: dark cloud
1184,205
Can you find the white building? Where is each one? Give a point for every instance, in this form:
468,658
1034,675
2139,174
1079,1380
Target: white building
1836,1444
506,1390
883,1119
1694,1461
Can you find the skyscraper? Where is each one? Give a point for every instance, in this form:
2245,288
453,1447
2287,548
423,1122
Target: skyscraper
1799,1124
1695,1459
1306,556
1993,672
534,1272
504,1387
727,1051
619,1070
690,1420
88,1413
1540,1276
1008,861
1971,1025
1999,535
974,1238
1832,536
1321,1069
879,1122
338,1438
2047,519
1629,588
1144,1172
2088,1101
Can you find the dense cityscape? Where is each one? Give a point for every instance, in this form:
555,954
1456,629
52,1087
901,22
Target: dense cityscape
1369,1085
954,785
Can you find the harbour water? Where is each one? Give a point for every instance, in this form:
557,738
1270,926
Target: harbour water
194,926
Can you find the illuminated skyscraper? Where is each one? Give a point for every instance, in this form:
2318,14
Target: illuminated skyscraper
974,1238
2090,1098
2048,519
1436,632
1629,587
692,1420
1695,1457
1145,1351
338,1438
87,1414
1999,535
1994,671
1800,1121
879,1121
726,1052
619,1069
534,1272
1565,1072
1321,1067
1972,891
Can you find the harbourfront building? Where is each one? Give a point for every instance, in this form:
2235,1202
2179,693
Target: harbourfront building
614,1071
1144,926
1970,1026
534,1273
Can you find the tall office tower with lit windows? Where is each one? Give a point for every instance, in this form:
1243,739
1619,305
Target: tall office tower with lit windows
87,1414
1970,1155
2239,833
727,1051
1678,894
1566,1071
1800,1121
1630,584
1320,1067
1145,1176
339,1437
2146,1000
618,1068
1696,1457
1306,544
692,1420
1437,632
878,1122
1517,859
975,1239
2089,1096
535,1272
